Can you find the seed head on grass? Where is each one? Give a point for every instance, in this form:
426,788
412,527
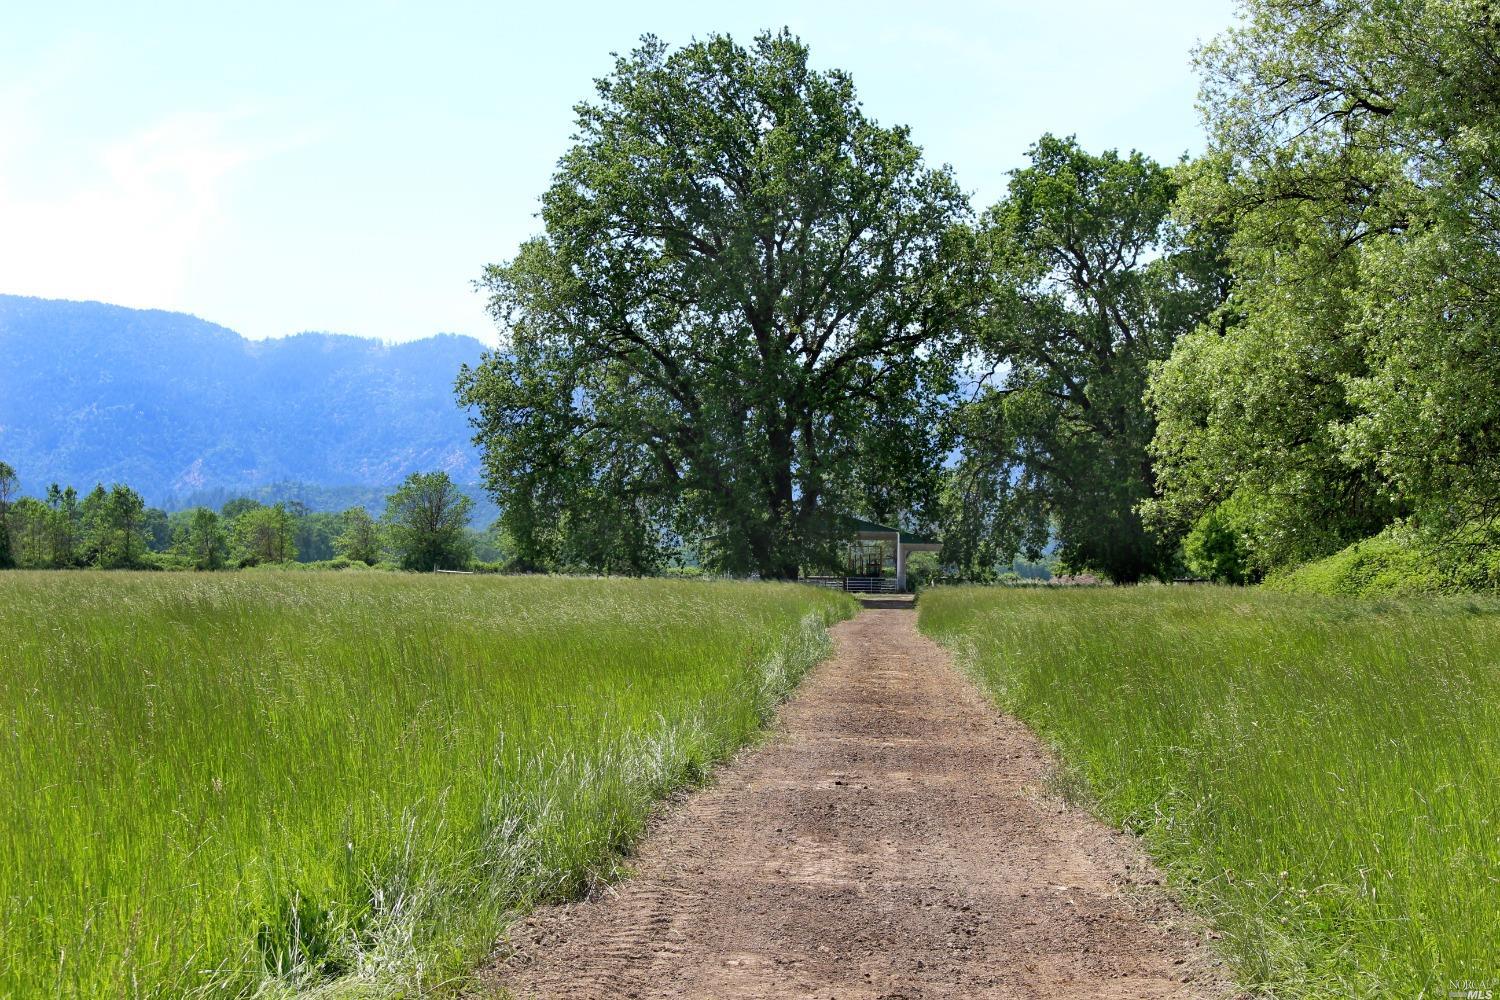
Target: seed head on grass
1317,775
239,785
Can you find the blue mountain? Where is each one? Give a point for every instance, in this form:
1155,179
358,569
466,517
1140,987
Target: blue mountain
176,406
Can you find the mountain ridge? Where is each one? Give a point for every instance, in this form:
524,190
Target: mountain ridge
173,404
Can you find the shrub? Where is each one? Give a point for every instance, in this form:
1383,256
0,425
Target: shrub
1386,565
1215,548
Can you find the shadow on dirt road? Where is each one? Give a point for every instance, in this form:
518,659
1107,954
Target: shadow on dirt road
889,603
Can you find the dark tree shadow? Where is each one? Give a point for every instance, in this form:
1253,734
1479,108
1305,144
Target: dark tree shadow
890,603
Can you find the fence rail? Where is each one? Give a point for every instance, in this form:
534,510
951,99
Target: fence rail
854,584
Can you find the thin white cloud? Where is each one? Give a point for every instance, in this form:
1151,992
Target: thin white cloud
128,233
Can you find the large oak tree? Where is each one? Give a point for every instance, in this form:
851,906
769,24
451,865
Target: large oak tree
739,325
1089,282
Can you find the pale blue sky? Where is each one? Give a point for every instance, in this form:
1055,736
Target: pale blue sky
351,167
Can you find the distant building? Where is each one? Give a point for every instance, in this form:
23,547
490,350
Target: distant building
876,558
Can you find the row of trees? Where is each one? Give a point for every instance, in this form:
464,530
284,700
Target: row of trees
111,528
754,310
1353,382
424,527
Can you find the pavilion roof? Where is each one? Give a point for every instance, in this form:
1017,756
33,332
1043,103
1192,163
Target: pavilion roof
860,526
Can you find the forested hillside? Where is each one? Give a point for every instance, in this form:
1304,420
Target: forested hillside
174,405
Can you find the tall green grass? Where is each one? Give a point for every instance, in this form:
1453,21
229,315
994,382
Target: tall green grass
1321,777
237,785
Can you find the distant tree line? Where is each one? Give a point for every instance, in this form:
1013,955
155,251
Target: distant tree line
424,527
753,312
753,309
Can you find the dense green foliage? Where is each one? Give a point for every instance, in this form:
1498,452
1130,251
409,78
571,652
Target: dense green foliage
204,543
266,534
1392,563
1354,159
1317,776
1215,548
1090,282
360,538
314,499
738,327
1382,566
425,527
426,522
174,405
111,529
219,784
8,488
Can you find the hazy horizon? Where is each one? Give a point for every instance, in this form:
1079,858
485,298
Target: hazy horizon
484,338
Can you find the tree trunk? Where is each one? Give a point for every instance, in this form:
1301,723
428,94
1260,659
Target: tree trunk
779,560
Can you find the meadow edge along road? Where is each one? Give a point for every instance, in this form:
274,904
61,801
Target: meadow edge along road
894,838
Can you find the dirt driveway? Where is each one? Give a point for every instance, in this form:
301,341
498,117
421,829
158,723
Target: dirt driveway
892,839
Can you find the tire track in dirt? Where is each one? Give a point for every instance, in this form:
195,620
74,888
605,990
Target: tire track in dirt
889,841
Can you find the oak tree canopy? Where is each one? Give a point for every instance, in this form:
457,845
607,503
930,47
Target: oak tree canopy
740,323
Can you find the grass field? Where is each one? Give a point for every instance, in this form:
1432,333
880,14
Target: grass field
236,785
1321,777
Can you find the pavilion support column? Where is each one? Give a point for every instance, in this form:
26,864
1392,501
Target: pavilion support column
900,565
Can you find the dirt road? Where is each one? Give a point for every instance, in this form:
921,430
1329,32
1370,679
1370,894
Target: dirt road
891,840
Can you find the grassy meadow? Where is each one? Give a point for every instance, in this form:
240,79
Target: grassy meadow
1321,777
237,785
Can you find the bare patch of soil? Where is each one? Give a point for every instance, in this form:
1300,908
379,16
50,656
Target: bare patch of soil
892,840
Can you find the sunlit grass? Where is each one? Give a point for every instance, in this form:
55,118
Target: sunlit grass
1322,777
234,785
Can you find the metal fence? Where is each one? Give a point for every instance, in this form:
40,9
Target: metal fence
855,584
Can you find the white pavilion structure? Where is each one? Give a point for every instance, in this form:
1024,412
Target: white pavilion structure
876,558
